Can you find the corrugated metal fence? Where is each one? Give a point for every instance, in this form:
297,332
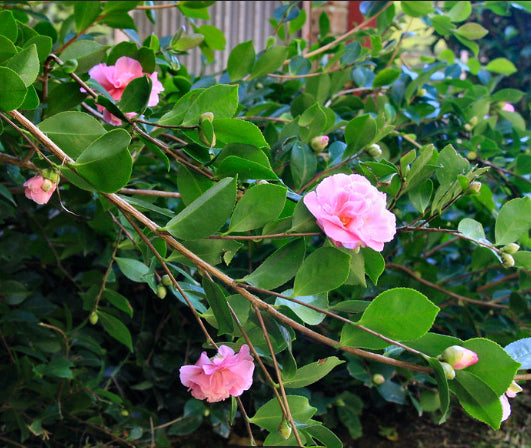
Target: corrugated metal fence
239,22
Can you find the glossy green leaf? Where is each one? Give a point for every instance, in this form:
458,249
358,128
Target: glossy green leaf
135,96
442,386
191,184
85,13
72,131
374,263
324,435
460,11
478,399
205,215
420,195
303,163
471,228
43,45
323,270
119,20
87,53
359,133
472,31
386,77
8,25
214,37
417,8
12,90
220,99
218,302
401,314
231,130
133,269
116,329
312,372
258,206
279,267
501,65
513,221
433,344
58,368
118,301
307,315
107,163
269,416
269,61
7,48
241,60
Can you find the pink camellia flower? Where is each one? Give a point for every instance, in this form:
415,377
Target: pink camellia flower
459,357
39,189
351,212
115,78
217,378
511,392
508,107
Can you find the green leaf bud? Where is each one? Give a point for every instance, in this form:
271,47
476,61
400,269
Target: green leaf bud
511,248
161,292
468,127
472,155
209,116
166,280
473,121
374,150
70,66
378,379
423,92
475,187
449,371
284,429
124,413
93,318
507,260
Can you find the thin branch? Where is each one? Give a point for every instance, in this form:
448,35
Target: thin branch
145,7
443,290
261,237
107,272
12,160
62,333
158,193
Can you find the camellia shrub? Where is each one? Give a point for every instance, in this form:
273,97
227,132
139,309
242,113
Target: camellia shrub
269,250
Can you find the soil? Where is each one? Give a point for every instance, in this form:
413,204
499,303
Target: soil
388,428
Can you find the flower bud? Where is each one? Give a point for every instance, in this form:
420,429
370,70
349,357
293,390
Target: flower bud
374,150
449,371
166,280
47,185
475,187
209,116
468,127
319,143
124,413
508,107
206,132
51,174
378,379
472,155
459,357
423,92
161,292
93,318
473,121
511,248
284,429
507,260
513,389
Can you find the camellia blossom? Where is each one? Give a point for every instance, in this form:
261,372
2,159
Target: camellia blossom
39,189
508,107
115,78
511,392
352,212
459,357
221,376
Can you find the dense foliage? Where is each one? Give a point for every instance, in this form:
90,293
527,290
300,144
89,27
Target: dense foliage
169,213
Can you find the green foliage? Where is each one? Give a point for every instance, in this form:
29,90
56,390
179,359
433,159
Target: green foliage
208,186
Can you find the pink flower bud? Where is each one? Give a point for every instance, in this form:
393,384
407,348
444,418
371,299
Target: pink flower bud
218,378
508,107
449,371
39,189
319,143
459,357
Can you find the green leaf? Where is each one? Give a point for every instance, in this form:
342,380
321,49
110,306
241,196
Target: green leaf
116,329
119,6
31,100
231,130
420,195
478,399
502,66
495,367
374,263
312,372
85,13
12,90
72,131
107,163
7,48
271,60
57,368
269,416
508,95
359,133
433,344
214,38
401,314
323,270
241,60
218,302
324,435
191,184
135,96
451,164
442,386
303,163
471,228
25,64
472,31
118,301
133,269
417,8
460,11
8,26
119,20
206,214
513,221
43,45
279,267
86,52
307,315
386,77
220,99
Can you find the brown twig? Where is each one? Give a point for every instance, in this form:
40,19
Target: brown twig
158,193
261,237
